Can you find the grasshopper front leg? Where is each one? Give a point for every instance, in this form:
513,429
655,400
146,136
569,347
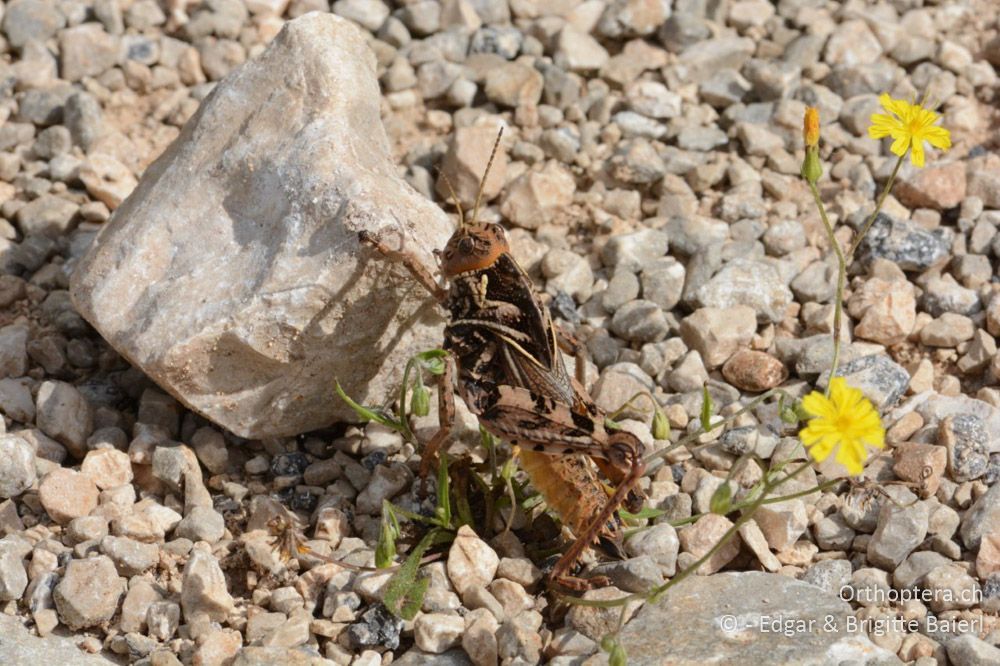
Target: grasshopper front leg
410,261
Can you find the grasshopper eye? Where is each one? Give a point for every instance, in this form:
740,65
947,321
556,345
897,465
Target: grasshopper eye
466,246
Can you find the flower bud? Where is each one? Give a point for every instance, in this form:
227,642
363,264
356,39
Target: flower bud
661,426
812,170
420,403
810,127
722,500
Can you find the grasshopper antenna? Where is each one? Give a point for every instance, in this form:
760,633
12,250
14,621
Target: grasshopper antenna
454,199
482,183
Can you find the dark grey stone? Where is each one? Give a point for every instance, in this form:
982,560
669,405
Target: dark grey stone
906,244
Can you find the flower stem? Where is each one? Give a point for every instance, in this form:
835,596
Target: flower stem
878,208
838,304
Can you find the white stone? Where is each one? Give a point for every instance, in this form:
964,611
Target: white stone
233,277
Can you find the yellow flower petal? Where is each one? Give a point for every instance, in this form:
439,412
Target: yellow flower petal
900,145
881,126
852,457
843,422
909,125
818,404
938,137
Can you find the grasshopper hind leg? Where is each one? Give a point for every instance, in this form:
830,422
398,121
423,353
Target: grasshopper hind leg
624,490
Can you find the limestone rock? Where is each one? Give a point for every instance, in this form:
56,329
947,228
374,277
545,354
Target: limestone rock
232,275
725,619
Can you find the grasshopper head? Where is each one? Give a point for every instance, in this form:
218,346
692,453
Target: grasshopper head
473,247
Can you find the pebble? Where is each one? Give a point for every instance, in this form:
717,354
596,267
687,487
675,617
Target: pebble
162,619
437,632
536,197
906,244
17,466
13,576
716,334
901,527
982,518
386,481
948,330
640,321
880,379
66,494
966,441
471,562
659,542
746,282
88,593
969,650
754,371
202,523
782,523
130,557
465,163
203,588
578,51
701,536
64,414
108,468
887,310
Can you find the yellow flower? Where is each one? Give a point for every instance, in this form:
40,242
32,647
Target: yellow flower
909,125
810,126
845,421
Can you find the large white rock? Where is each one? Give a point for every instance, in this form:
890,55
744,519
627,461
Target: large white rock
232,275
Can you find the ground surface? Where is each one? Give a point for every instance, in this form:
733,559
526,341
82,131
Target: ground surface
651,189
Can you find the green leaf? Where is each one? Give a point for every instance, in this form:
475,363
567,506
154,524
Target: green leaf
706,409
432,360
367,413
443,509
404,592
722,500
646,513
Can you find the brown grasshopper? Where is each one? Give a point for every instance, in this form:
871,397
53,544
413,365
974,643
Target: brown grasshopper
512,376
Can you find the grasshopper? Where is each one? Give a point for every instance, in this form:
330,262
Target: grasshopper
511,374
